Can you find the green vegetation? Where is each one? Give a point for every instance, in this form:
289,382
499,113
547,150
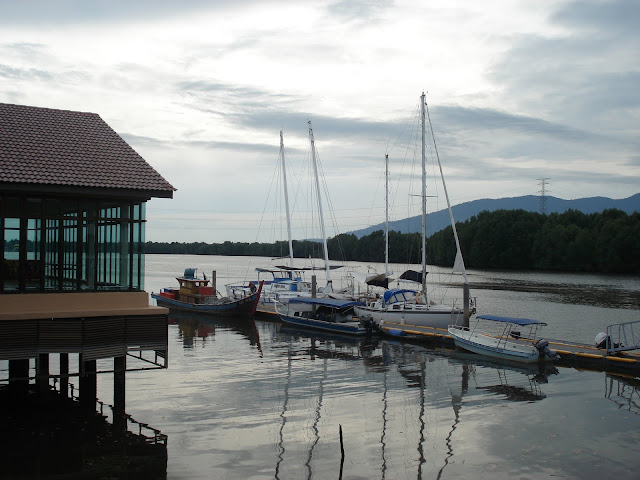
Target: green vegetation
503,239
520,240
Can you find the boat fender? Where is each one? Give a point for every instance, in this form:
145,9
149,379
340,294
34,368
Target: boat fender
543,347
396,332
601,340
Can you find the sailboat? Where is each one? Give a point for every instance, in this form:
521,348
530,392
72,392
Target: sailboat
403,306
376,279
286,282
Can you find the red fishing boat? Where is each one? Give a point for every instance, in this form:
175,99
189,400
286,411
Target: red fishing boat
199,294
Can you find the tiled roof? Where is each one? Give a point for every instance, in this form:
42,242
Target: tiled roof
61,147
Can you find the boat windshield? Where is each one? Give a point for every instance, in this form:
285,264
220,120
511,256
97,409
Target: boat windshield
399,296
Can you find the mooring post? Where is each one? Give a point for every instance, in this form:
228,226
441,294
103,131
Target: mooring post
341,452
466,298
313,293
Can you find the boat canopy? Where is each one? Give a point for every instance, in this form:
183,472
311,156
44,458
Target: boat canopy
397,292
327,302
375,280
411,276
517,321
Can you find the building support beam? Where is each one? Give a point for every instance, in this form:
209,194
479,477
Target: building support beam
42,373
18,380
64,375
88,384
119,390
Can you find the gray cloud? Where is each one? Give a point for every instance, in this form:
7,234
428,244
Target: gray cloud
64,12
359,11
141,141
609,19
587,79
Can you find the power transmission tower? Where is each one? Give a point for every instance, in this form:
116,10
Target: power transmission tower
543,194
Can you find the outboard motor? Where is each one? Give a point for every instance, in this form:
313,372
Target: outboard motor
368,323
543,347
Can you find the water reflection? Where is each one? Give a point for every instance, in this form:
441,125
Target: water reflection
624,392
194,327
407,411
48,435
426,372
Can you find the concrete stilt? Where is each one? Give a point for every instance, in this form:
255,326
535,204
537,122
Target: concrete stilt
88,384
42,373
119,390
64,375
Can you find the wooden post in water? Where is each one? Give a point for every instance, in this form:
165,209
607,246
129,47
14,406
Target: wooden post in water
213,281
313,292
341,452
467,314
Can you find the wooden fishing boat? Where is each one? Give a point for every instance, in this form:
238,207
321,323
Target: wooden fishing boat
503,341
197,295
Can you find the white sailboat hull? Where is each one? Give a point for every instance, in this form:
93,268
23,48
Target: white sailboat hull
434,316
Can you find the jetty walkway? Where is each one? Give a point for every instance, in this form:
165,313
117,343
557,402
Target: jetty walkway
572,354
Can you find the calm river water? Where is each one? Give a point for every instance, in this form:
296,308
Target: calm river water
255,400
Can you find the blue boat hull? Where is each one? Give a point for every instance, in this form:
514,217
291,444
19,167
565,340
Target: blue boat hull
351,328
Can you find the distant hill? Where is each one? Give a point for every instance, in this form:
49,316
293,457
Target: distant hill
436,221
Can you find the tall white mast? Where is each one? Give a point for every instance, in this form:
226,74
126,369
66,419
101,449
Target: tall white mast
424,200
386,216
315,172
286,200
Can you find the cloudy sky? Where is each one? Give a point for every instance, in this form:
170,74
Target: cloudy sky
517,91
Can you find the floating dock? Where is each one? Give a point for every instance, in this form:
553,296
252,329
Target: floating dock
572,354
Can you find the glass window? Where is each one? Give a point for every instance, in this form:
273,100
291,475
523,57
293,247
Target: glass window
70,244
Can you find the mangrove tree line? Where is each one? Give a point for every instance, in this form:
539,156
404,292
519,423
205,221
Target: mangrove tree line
502,239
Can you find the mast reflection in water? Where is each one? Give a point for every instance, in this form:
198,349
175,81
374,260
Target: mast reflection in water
255,399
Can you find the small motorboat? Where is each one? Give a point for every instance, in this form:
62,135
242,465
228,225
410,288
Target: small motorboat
500,339
196,295
327,314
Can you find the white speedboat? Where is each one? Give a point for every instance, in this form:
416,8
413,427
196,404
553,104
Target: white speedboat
503,341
